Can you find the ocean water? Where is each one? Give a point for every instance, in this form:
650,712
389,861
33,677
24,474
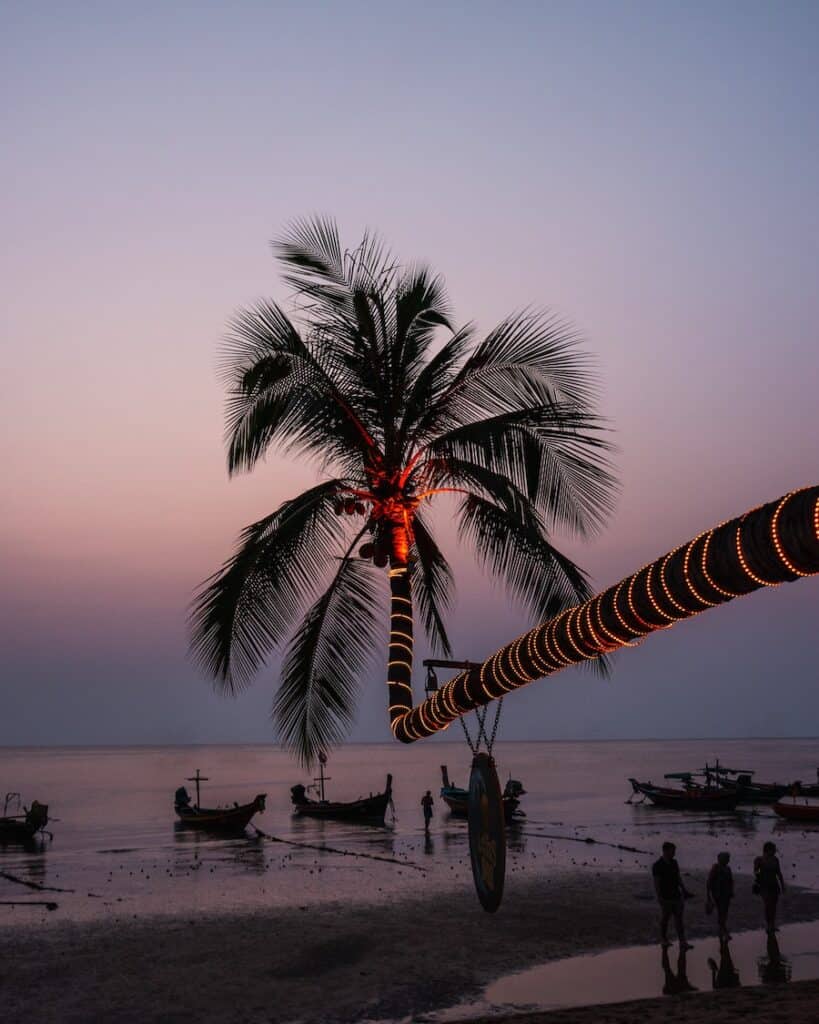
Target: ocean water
117,846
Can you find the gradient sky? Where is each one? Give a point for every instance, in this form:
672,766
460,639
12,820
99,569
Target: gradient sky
648,170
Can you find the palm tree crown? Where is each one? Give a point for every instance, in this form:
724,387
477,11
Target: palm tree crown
358,380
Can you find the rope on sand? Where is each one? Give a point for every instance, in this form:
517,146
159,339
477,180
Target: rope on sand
588,840
48,904
344,853
32,885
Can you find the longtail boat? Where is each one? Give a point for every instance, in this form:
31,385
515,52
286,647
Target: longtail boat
457,799
691,797
22,826
217,819
797,812
750,792
366,810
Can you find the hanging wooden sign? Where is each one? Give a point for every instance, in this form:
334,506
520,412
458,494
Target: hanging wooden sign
487,832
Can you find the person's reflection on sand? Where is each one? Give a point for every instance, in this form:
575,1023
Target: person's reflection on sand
725,975
774,969
429,845
676,983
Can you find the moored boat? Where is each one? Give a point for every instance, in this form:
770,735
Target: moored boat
801,812
217,819
23,826
365,810
749,791
457,799
691,797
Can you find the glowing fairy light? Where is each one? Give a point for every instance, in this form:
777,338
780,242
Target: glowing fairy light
595,626
743,562
687,574
777,542
706,574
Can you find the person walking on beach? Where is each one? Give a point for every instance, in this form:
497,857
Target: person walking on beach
668,885
426,803
769,883
720,892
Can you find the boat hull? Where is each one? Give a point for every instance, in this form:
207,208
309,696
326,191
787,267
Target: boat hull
368,810
798,812
687,799
19,828
221,819
14,830
457,800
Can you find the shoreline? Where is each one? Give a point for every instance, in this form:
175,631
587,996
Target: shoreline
337,962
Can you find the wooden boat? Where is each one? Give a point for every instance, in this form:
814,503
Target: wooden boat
457,799
750,792
366,810
23,826
797,812
217,819
691,797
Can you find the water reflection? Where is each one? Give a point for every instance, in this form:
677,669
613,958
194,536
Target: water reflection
673,983
774,969
192,845
429,845
724,974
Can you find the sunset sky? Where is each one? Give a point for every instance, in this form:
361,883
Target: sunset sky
647,170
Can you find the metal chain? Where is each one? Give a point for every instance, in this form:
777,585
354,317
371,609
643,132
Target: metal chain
480,714
472,746
491,741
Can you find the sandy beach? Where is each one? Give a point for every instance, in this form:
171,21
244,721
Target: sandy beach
341,962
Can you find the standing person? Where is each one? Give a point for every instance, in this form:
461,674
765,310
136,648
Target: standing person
426,803
720,892
668,885
769,883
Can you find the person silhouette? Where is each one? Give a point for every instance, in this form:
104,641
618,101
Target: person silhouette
668,885
720,892
769,883
426,803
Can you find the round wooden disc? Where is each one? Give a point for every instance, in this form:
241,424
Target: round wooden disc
487,832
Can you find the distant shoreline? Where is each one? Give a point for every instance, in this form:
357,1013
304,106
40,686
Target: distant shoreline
391,743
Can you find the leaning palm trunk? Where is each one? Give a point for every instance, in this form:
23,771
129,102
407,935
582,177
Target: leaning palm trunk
775,543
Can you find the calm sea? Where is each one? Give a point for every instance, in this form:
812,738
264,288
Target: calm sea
116,843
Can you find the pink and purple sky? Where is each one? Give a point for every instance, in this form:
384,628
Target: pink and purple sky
647,170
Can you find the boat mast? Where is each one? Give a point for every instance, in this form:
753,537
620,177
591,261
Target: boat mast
197,779
322,778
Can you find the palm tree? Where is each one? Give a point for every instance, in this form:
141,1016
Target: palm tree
355,382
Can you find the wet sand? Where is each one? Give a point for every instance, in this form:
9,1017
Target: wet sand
796,1003
338,962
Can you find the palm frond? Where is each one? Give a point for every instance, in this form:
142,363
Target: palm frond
543,344
513,545
315,704
280,392
432,586
243,612
425,413
555,454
